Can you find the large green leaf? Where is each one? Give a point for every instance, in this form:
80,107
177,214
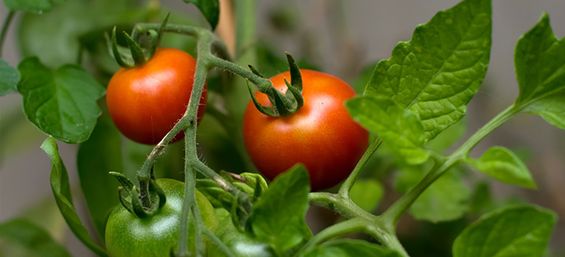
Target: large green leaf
540,69
517,231
59,181
55,37
399,128
278,217
446,199
9,78
437,73
62,103
209,8
351,248
504,165
22,238
97,156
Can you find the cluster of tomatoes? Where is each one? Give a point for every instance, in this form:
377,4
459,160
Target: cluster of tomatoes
146,101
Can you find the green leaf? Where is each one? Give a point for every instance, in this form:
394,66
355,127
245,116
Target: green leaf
502,164
278,217
22,238
96,157
540,70
59,181
61,103
540,63
399,128
437,73
446,199
517,231
551,109
9,78
351,248
56,37
367,193
35,6
209,8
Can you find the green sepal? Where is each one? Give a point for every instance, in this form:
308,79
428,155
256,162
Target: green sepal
115,51
255,71
265,110
282,104
133,201
158,36
136,51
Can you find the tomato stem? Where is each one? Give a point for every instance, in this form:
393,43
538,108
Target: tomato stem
5,27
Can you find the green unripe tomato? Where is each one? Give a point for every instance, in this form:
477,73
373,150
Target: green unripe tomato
153,236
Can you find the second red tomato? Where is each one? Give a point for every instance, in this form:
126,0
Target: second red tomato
321,134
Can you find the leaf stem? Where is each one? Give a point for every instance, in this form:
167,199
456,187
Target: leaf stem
392,214
348,183
5,27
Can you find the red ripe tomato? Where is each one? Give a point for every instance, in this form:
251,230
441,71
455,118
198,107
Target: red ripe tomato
321,134
146,101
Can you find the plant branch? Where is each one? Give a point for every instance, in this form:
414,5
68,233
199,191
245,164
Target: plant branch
191,156
5,27
348,183
339,229
344,206
392,214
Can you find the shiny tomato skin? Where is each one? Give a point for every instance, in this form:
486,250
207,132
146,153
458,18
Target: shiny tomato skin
127,235
146,101
321,134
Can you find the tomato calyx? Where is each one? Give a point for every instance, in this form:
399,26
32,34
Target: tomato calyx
282,104
250,187
143,200
141,46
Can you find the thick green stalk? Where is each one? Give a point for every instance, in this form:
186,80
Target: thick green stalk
191,155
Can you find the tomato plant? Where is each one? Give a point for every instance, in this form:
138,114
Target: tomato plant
321,135
146,101
316,140
156,235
